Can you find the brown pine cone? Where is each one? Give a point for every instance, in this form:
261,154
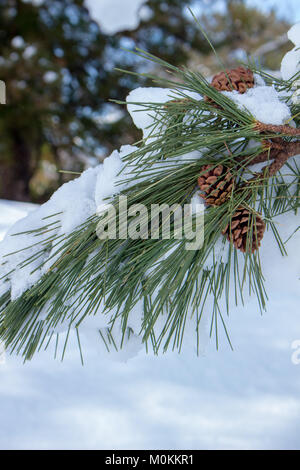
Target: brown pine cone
217,184
239,79
244,224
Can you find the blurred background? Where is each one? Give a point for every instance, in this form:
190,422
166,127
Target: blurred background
58,60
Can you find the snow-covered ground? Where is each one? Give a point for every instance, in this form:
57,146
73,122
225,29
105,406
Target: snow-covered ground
245,399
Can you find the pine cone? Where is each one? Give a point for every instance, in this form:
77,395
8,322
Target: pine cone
217,184
242,223
239,79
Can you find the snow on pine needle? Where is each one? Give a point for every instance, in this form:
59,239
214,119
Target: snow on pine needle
58,275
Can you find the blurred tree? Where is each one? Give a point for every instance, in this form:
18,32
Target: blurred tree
238,30
58,68
59,71
51,63
167,30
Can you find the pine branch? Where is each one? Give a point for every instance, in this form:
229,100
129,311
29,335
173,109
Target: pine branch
260,158
291,149
171,283
276,129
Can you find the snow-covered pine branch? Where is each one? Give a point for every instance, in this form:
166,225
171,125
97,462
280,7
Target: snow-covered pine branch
57,275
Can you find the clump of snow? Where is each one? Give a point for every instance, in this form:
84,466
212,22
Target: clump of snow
139,105
137,101
263,102
107,175
294,34
260,101
116,15
290,64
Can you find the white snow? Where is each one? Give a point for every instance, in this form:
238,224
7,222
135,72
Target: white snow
294,34
107,180
138,99
11,212
141,116
261,102
290,64
117,15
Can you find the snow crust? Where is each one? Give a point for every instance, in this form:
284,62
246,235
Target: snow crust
263,102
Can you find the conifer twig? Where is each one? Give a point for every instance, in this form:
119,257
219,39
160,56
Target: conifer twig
278,150
261,157
279,129
291,149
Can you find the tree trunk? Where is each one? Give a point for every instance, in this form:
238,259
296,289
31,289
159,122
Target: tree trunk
16,174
